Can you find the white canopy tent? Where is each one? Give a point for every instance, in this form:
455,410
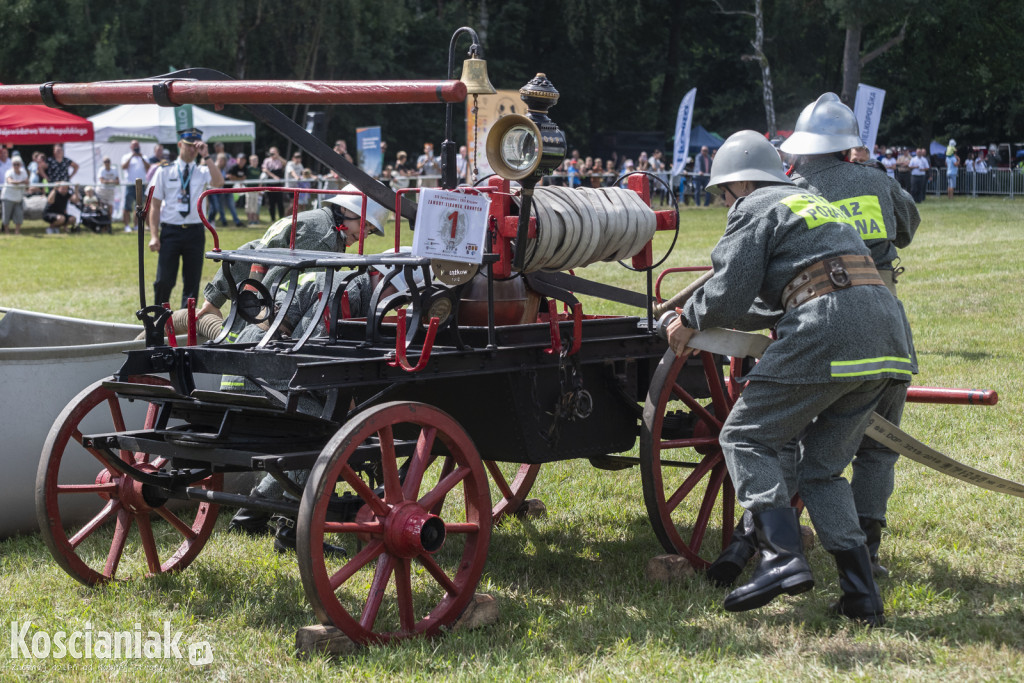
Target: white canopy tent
147,123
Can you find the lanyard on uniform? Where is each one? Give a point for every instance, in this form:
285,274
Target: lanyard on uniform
186,189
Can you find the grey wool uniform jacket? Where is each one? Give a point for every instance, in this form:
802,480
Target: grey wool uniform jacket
884,214
773,234
316,230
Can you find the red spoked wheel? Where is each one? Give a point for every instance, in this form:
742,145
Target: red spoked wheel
408,571
685,480
100,524
510,483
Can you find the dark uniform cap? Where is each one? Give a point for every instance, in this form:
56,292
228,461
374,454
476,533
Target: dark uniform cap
190,135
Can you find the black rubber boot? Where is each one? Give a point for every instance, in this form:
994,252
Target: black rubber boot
783,567
872,528
284,539
861,600
724,571
251,522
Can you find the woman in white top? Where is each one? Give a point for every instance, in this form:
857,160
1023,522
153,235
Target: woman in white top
109,180
15,184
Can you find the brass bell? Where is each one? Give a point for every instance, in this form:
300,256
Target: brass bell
474,75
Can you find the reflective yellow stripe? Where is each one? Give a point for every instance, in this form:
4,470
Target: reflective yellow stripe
865,214
815,210
276,229
871,366
305,278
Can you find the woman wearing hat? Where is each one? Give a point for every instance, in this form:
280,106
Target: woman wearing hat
838,348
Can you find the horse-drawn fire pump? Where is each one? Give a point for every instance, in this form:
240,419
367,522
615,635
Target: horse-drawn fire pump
422,423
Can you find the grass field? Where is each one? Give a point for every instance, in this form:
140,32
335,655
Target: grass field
574,604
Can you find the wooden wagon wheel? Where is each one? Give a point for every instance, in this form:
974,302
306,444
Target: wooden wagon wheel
510,483
376,594
680,459
74,484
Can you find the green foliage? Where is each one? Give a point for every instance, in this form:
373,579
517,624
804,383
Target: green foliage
619,66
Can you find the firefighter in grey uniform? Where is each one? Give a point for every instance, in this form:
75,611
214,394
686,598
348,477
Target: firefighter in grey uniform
841,342
316,230
886,217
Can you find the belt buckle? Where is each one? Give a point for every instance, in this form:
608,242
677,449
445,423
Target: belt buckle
837,274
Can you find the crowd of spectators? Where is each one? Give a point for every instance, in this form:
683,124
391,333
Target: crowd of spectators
53,176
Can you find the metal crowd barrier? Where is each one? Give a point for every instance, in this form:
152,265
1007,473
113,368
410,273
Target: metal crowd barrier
997,182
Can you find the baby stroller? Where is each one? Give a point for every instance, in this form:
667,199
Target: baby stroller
96,217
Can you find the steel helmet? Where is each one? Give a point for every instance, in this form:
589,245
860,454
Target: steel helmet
826,125
376,215
747,155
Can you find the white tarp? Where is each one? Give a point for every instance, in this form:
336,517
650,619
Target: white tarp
115,128
45,361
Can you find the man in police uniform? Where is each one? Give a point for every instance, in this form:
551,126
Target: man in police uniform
839,347
174,226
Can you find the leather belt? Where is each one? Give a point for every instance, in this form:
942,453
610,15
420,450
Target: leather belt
182,225
824,277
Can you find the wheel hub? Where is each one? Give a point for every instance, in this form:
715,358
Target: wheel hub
130,491
409,530
702,430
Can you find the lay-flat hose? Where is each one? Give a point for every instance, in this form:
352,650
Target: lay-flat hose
578,227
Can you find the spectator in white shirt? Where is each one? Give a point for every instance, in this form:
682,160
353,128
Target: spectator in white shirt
135,167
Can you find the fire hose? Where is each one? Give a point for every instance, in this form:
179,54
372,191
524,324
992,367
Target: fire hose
578,227
744,344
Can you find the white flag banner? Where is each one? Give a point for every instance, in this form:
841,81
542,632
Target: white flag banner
868,110
684,120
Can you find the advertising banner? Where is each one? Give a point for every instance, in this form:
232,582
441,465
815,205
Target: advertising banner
684,121
368,153
868,110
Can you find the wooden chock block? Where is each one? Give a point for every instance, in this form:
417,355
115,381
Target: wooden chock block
668,569
481,611
320,639
532,508
808,538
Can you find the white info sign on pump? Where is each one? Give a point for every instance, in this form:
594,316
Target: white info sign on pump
451,226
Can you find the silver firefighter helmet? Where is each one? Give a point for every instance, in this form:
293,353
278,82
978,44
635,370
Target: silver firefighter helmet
747,155
826,125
